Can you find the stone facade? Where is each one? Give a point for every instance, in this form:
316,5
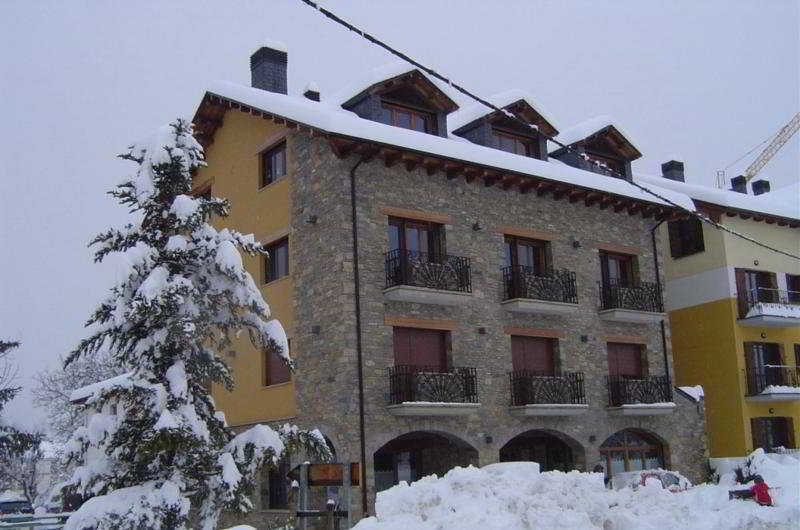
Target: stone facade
324,344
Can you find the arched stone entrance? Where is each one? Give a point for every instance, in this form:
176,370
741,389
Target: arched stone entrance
414,455
552,450
633,450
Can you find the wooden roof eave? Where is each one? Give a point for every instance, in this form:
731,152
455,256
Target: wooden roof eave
717,210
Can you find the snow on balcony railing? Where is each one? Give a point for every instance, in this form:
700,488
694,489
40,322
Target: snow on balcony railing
764,301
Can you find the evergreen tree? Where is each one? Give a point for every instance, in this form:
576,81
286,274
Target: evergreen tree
154,446
12,441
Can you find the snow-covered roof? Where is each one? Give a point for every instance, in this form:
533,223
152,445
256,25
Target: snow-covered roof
275,45
462,117
328,116
783,203
85,392
588,127
380,74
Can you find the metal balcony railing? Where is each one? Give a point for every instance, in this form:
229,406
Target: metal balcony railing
531,388
639,296
767,295
425,269
625,390
432,384
771,376
552,285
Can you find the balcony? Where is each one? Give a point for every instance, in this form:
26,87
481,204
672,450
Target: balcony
429,391
639,303
534,394
774,383
551,293
427,278
642,396
766,307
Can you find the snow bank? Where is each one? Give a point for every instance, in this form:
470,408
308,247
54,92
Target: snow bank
696,392
515,496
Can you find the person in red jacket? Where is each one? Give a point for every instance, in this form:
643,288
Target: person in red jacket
760,491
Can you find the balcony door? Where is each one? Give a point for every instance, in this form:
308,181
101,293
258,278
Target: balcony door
533,354
763,361
421,348
617,269
415,237
625,360
756,286
772,432
530,254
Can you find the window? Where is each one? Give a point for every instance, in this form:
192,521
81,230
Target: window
617,269
276,494
273,164
797,355
513,143
410,119
614,164
415,236
685,237
532,254
277,262
793,288
772,432
533,354
422,348
763,366
629,450
753,287
276,371
625,360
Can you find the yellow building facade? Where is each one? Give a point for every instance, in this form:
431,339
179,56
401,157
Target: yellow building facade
735,319
264,211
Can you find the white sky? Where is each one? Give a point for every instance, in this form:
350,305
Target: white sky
703,82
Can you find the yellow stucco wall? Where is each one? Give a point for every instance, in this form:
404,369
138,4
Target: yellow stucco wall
233,171
741,253
712,257
708,350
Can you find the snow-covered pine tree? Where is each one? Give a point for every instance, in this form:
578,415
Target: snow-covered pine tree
154,447
13,442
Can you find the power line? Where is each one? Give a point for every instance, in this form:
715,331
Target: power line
751,150
433,73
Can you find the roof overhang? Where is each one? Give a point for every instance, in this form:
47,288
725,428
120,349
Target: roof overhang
715,212
415,80
520,108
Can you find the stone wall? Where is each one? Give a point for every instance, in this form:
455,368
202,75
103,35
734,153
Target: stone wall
324,341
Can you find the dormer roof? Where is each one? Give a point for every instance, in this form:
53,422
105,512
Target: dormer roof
600,130
393,76
518,101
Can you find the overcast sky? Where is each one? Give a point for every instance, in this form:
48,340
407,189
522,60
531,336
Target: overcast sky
703,82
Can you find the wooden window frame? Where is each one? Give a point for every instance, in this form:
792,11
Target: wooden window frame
446,345
643,365
269,276
529,144
553,346
436,234
631,261
685,237
271,359
429,118
545,257
264,161
614,164
793,288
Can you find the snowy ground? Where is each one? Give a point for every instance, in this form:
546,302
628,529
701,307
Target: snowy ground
515,496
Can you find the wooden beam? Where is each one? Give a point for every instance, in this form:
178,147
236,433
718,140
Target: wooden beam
527,185
390,157
606,202
635,208
341,148
508,181
575,196
367,151
647,212
770,220
559,193
471,173
432,165
452,170
490,178
592,198
411,161
621,205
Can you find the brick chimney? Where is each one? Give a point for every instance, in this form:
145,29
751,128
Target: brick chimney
739,184
268,68
760,186
673,170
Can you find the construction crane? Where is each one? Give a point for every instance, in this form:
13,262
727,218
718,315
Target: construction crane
766,155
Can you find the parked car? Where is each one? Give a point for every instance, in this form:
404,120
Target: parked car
18,506
633,479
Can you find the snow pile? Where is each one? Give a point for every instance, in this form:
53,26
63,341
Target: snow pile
587,128
781,389
515,496
774,310
696,392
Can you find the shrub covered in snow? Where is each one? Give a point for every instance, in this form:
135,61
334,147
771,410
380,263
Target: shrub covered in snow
154,446
516,496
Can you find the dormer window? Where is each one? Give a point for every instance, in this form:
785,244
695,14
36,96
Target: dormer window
513,143
408,118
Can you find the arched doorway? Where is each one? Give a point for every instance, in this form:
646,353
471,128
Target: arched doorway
551,450
417,454
632,450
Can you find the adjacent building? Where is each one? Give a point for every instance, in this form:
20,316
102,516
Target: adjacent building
734,309
453,293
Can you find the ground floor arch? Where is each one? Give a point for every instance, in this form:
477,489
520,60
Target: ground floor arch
633,450
552,450
417,454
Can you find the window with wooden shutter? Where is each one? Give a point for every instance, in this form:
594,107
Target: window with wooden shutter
685,237
276,371
533,354
416,236
617,269
793,288
423,348
625,360
531,254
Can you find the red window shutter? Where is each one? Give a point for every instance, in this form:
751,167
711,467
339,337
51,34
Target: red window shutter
402,346
277,370
532,354
420,347
625,359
